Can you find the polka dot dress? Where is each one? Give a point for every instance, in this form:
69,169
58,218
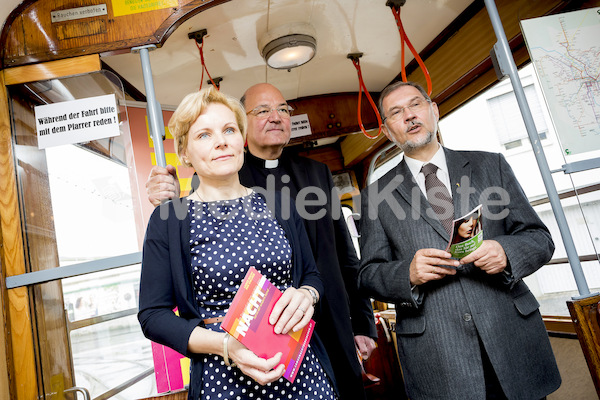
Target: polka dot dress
228,237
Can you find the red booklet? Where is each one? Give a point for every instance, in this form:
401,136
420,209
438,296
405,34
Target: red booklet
247,320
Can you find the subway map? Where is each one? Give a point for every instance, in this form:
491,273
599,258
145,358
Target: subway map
565,50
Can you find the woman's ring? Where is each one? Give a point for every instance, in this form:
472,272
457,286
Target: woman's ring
303,310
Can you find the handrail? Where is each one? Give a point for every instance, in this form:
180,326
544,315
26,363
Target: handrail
82,323
568,194
82,390
68,271
125,385
565,260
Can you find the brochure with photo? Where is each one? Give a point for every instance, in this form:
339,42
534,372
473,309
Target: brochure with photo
247,320
467,234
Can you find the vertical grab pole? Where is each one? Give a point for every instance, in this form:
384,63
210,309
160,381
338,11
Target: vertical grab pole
508,67
155,120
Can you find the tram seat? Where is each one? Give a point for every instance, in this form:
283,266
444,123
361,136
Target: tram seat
585,314
383,380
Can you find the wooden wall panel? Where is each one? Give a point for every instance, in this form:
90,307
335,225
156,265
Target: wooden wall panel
21,362
53,356
52,69
586,318
329,155
333,115
42,253
33,37
357,147
5,348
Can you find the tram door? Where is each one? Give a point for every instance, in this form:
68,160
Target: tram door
80,209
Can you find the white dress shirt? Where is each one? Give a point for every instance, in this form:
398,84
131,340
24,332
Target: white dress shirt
439,160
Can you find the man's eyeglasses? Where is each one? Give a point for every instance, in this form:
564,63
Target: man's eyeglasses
416,105
262,112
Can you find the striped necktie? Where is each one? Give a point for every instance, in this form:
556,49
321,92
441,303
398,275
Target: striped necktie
438,196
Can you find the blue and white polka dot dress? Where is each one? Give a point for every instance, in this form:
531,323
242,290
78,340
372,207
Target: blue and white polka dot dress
227,238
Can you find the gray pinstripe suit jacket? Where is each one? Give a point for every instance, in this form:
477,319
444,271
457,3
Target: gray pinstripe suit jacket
438,333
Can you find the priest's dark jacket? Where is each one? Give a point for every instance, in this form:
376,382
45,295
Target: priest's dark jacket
341,312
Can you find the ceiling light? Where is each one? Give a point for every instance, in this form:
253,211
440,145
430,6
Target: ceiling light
288,46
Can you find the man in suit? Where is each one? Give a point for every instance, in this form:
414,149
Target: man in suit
467,329
344,318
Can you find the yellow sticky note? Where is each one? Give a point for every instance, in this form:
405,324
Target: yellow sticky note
126,7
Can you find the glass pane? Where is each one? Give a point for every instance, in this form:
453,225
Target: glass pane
92,205
80,203
106,354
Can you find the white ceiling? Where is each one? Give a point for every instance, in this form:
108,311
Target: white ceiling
235,28
342,26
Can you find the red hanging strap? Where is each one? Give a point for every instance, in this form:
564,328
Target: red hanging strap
403,39
200,47
362,87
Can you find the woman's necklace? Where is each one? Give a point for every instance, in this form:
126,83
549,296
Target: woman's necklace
244,193
223,211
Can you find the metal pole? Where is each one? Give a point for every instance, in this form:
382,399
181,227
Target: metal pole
155,119
508,67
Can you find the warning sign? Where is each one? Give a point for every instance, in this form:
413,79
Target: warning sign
300,126
77,121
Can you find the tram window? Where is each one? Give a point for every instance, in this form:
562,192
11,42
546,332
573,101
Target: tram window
506,116
86,186
79,204
385,167
553,284
105,353
92,205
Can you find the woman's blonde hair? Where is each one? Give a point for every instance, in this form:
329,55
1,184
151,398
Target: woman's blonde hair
190,109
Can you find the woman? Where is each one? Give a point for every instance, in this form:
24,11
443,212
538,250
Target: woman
198,249
466,228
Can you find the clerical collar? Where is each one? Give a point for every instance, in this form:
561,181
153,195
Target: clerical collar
271,163
268,164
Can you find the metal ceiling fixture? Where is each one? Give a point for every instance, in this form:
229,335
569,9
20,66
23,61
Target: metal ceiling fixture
289,46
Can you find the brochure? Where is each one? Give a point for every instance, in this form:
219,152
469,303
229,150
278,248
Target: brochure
247,320
467,234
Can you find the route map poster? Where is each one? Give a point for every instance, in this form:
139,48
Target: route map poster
566,54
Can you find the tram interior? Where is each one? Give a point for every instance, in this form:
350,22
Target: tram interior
83,203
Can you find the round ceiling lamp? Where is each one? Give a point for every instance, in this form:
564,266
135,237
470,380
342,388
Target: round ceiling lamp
289,46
